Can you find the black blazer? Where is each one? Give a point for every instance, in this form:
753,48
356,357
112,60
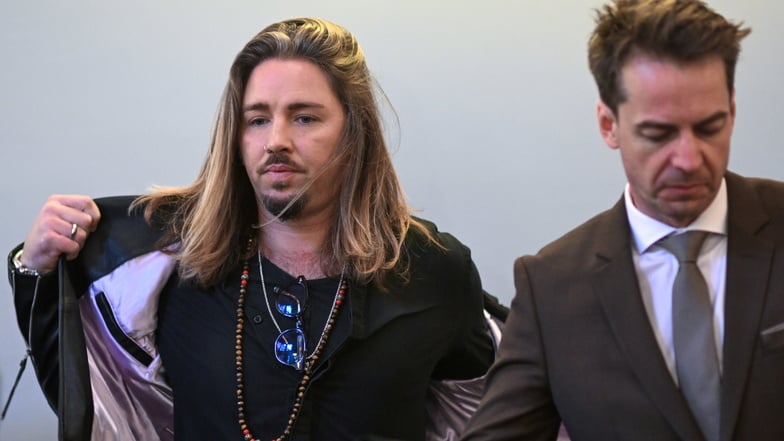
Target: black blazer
578,344
441,301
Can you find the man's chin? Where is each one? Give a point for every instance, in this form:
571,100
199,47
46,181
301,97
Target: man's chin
682,213
284,209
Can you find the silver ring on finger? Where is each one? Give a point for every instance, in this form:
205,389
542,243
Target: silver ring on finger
74,229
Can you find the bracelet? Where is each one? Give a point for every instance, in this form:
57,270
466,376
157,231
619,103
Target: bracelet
21,269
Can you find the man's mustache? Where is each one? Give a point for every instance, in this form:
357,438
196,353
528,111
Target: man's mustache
278,158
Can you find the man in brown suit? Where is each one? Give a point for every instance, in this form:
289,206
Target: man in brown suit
593,339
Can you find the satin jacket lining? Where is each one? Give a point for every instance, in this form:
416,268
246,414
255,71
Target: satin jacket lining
123,340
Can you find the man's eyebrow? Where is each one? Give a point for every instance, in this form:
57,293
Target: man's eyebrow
305,105
653,125
666,126
264,107
713,118
255,106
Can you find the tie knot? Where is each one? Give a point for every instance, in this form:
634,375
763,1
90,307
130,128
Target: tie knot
686,246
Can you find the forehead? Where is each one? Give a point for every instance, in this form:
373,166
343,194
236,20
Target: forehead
288,79
663,87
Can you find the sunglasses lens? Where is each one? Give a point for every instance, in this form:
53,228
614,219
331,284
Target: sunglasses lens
289,300
287,304
290,347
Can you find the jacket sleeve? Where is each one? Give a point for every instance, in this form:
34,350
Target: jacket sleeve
49,317
451,403
452,399
517,402
35,301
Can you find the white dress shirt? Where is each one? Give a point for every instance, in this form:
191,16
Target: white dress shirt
656,268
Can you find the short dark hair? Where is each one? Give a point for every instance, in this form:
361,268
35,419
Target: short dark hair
679,30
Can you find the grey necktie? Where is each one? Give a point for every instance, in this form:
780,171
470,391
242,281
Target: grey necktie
696,361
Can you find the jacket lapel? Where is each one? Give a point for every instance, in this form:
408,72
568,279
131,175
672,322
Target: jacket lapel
748,269
617,288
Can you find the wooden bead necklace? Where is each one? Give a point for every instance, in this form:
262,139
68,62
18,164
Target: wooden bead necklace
310,362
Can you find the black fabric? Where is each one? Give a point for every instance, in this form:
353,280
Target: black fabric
120,236
75,404
40,334
374,378
195,338
494,307
386,349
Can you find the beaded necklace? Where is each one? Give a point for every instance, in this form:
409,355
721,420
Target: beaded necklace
309,362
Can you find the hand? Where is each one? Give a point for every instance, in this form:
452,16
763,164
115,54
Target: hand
50,235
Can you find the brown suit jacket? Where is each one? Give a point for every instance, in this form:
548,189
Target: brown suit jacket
578,345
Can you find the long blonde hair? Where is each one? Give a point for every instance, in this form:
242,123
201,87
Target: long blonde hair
208,222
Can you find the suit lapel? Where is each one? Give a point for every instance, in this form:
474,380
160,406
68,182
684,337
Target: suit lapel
617,287
748,269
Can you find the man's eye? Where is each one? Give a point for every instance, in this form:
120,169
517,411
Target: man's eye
656,135
258,121
305,119
710,130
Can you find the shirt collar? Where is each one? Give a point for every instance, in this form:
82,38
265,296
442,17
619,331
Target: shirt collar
646,230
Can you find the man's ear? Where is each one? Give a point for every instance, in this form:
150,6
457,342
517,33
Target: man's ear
732,108
608,124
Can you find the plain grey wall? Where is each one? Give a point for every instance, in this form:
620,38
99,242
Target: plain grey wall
497,140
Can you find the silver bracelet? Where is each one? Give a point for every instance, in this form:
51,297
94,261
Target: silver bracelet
21,269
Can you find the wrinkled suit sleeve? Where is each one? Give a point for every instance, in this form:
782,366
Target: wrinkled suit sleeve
517,403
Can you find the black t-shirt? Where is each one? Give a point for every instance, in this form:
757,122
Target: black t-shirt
196,340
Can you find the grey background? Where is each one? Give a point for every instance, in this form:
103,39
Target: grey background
496,139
